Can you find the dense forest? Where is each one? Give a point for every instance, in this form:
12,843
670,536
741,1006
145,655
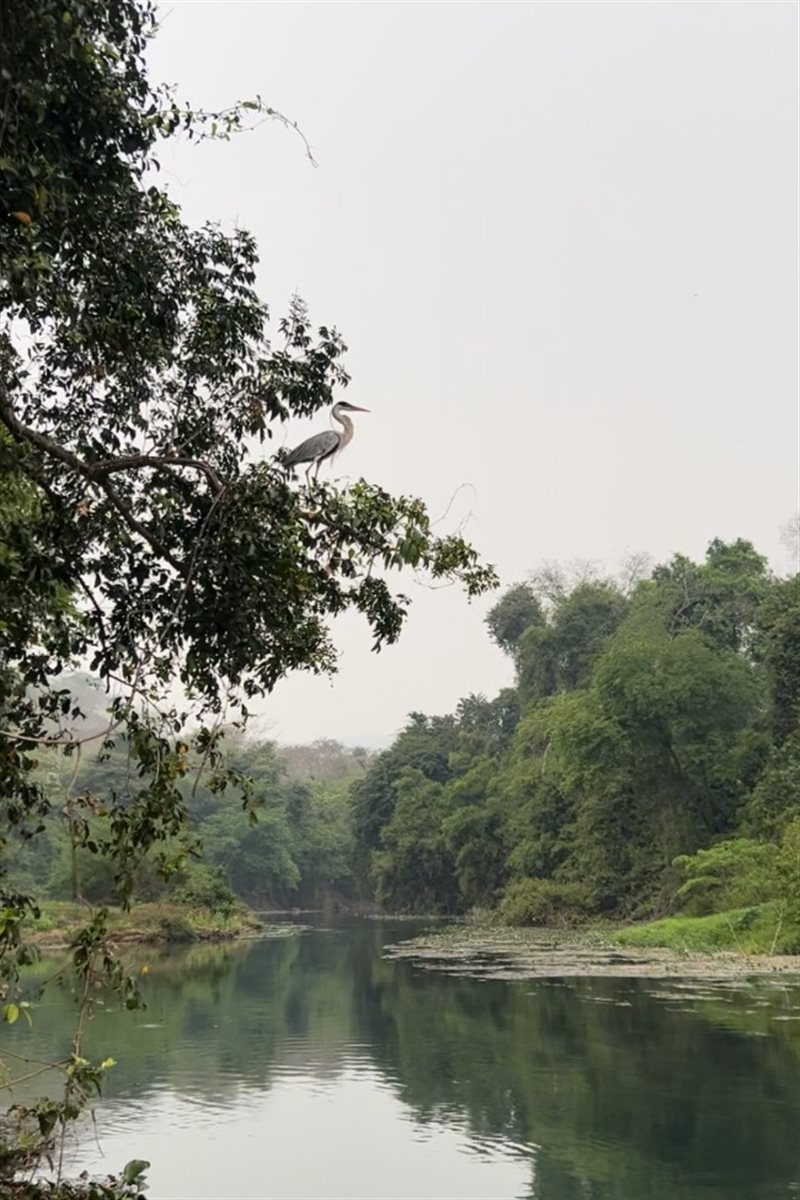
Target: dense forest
645,762
646,759
282,839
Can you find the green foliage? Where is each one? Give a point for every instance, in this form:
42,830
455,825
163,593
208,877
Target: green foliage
544,902
435,789
137,531
774,800
77,872
645,728
539,814
788,886
657,753
758,929
731,874
415,870
130,1185
424,746
741,873
777,646
719,597
297,853
206,887
558,656
519,609
473,834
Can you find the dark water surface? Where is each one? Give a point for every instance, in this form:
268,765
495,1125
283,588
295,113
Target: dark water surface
312,1067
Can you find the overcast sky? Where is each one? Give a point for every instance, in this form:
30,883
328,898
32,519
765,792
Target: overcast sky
561,243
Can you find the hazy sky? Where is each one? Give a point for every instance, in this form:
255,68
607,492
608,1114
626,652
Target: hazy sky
561,243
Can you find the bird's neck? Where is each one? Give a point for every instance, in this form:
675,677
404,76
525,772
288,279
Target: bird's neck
347,427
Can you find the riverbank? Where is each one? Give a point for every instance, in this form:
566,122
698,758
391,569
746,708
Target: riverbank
143,923
489,952
761,929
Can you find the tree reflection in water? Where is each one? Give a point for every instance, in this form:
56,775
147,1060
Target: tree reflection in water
607,1089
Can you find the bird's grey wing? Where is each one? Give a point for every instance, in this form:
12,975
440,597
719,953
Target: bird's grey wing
318,446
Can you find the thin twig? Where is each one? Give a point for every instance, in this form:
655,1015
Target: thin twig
77,1045
45,1062
59,740
735,938
451,502
13,1083
219,721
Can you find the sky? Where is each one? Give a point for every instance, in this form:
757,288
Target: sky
561,242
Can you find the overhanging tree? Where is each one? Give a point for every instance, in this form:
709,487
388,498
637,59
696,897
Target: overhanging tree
140,533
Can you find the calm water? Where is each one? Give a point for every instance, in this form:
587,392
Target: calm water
311,1067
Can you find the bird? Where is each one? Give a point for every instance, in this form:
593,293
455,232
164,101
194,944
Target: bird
316,449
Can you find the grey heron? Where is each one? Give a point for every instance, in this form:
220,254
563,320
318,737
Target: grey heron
316,449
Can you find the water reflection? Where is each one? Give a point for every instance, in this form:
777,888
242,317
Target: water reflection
313,1067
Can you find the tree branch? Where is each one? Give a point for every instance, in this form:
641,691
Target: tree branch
24,434
132,462
126,512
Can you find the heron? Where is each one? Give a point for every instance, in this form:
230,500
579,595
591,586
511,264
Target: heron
316,449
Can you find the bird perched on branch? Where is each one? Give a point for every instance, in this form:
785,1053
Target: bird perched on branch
316,449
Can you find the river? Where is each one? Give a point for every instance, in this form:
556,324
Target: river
310,1066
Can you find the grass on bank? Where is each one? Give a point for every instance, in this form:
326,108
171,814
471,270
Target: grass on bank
147,922
772,928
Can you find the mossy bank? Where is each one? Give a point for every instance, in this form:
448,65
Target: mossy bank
60,921
494,952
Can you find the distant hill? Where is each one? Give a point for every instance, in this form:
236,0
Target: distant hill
324,759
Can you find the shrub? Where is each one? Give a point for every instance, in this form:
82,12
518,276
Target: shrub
788,866
206,887
544,902
732,874
177,928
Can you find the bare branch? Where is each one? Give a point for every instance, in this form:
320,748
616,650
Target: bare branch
461,487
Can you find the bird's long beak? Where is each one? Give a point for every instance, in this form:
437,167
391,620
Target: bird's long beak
356,408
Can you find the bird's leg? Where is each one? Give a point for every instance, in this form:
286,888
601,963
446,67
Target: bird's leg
308,472
316,473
